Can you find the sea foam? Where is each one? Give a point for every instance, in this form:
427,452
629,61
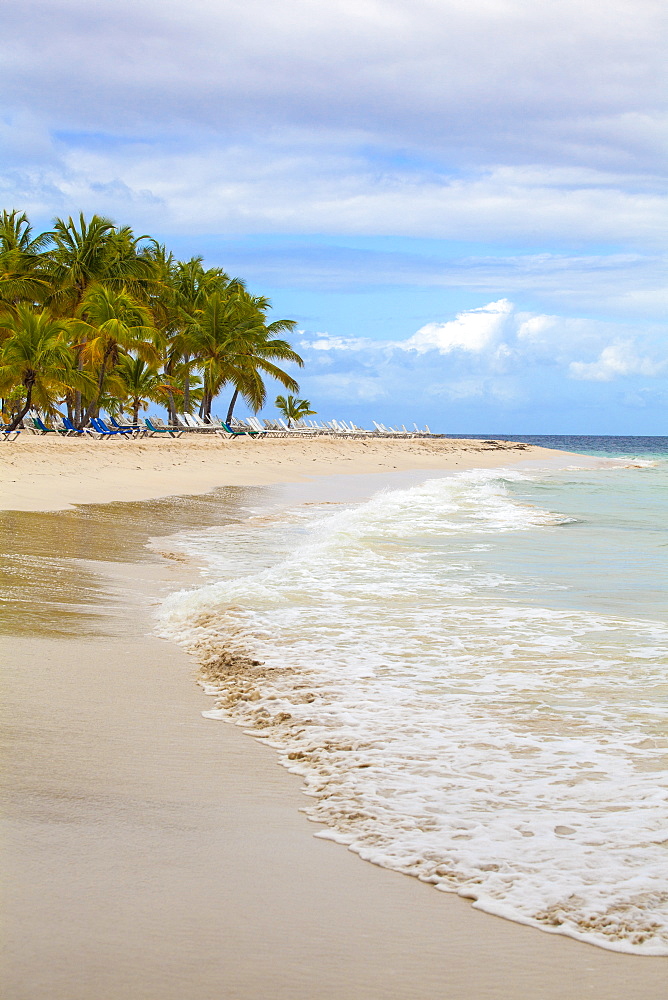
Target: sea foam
448,719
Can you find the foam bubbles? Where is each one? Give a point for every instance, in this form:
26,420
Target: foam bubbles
447,724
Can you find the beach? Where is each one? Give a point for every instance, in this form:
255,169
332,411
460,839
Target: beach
152,852
49,473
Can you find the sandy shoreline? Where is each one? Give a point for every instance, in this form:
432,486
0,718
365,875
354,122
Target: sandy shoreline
43,473
153,853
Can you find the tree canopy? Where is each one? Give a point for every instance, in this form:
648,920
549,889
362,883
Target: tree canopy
92,315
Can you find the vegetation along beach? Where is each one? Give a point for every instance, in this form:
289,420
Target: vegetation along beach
333,500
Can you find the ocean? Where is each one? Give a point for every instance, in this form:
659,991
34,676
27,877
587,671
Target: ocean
469,673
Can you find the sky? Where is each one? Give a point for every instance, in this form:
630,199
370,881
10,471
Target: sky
462,203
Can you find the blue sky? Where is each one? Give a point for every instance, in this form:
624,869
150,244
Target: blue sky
461,202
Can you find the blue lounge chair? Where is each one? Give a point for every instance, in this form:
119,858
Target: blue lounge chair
110,430
101,429
133,429
7,435
70,428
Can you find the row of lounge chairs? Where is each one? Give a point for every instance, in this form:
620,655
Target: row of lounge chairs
110,428
190,424
332,428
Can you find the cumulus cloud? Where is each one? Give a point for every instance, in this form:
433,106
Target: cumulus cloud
498,332
616,360
495,359
475,330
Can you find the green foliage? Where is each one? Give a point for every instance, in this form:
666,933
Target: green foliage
294,409
36,355
107,318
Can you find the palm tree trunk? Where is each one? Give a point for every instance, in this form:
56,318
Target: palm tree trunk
17,419
233,401
93,409
171,405
77,394
171,408
186,388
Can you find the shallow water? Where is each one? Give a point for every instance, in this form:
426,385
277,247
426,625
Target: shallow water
470,675
50,579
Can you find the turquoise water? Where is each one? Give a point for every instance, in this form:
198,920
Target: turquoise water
470,676
612,552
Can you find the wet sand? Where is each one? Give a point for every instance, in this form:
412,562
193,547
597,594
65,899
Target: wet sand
151,853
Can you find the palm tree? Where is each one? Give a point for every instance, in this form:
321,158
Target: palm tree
83,254
294,409
95,252
257,356
235,345
22,260
141,384
36,356
192,286
111,324
117,294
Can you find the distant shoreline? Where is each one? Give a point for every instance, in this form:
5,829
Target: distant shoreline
48,473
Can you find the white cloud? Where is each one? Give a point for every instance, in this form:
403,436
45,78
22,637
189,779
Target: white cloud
436,72
615,360
488,368
326,343
490,119
294,185
534,328
475,330
487,353
346,387
497,337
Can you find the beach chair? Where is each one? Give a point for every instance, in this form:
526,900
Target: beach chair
290,431
317,428
195,423
154,429
69,429
273,430
256,426
236,431
216,424
161,425
134,429
100,429
40,426
7,435
205,425
126,430
425,433
182,421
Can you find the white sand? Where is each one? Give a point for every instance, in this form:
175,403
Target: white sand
48,473
155,855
